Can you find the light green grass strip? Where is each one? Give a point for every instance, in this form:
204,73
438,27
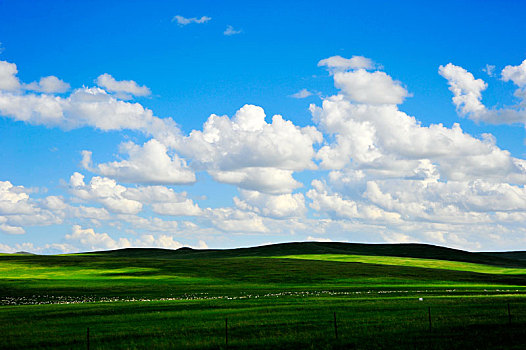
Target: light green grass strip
412,262
21,271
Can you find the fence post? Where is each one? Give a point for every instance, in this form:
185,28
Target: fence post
335,326
429,313
87,338
226,331
509,314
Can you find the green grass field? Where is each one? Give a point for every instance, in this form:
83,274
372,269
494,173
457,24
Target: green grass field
281,296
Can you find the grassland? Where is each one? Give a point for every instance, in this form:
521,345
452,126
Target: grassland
282,296
412,262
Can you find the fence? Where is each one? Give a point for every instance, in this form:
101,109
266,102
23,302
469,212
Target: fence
430,319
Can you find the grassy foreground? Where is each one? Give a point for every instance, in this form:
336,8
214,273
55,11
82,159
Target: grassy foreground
273,297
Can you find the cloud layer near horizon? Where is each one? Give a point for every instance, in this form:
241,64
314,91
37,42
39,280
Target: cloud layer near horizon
363,166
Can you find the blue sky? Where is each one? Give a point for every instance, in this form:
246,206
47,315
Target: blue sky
124,125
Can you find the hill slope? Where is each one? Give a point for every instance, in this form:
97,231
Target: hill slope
409,250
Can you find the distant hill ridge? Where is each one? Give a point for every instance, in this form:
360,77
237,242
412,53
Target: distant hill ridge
409,250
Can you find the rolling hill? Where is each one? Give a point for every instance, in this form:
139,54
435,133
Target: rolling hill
407,250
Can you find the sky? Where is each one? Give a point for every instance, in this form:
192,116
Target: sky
233,124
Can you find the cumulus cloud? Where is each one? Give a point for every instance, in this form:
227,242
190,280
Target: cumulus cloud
150,164
8,79
18,209
88,239
370,88
234,220
408,182
182,21
275,206
251,153
231,31
385,142
124,89
337,206
119,199
467,91
104,191
48,85
11,230
93,107
165,201
183,208
517,74
270,180
467,94
352,77
384,175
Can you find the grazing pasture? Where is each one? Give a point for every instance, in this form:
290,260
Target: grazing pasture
299,295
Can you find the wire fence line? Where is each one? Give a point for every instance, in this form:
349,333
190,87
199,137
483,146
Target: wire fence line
344,324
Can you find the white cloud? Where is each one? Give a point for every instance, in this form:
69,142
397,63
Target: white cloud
119,199
338,63
303,93
233,220
467,94
104,191
11,230
182,21
408,182
183,208
154,194
319,239
123,89
396,237
489,70
275,206
231,31
161,241
48,85
467,91
90,240
269,180
247,140
251,153
336,206
87,239
4,248
18,210
85,107
385,142
150,164
386,176
8,78
517,74
370,88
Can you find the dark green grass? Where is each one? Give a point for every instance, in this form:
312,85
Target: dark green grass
267,323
